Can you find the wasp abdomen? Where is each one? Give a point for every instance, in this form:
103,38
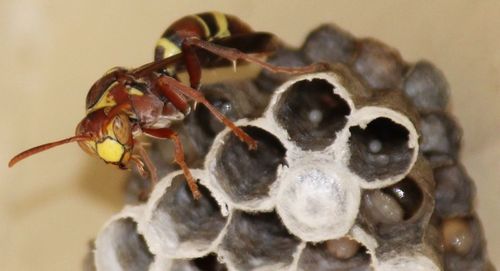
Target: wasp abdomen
206,26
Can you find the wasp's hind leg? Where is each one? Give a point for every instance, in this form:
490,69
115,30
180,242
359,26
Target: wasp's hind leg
234,55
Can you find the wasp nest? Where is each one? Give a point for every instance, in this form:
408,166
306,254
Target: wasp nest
356,169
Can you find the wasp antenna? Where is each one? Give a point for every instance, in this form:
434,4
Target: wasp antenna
37,149
156,65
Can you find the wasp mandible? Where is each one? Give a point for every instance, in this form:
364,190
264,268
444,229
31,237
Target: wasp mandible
126,103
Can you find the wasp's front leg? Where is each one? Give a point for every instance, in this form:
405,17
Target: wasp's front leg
141,161
167,133
170,85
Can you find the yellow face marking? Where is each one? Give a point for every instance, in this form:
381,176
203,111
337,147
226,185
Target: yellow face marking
110,150
105,101
221,21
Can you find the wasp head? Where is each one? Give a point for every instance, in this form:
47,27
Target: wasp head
109,138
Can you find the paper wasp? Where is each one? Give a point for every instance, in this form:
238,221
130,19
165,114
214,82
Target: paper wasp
148,100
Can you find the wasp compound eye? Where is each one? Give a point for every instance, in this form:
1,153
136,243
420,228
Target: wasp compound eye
122,129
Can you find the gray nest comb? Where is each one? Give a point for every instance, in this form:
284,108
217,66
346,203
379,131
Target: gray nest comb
356,169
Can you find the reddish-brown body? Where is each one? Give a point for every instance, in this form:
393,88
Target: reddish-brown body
148,100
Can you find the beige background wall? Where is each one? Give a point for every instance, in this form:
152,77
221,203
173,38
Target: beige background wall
52,51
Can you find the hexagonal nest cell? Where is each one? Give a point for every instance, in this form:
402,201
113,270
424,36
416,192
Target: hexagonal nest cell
356,168
186,226
256,241
379,150
248,174
312,113
120,246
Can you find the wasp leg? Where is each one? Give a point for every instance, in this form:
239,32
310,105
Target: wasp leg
153,175
233,55
169,83
177,99
139,165
193,65
167,133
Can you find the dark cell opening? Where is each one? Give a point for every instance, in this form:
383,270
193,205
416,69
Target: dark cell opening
258,240
248,174
312,114
408,194
209,263
380,150
130,247
195,220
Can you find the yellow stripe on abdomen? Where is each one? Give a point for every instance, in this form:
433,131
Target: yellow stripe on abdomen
203,24
221,21
169,48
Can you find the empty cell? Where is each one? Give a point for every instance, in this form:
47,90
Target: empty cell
312,113
246,174
380,150
258,240
182,225
121,247
334,255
